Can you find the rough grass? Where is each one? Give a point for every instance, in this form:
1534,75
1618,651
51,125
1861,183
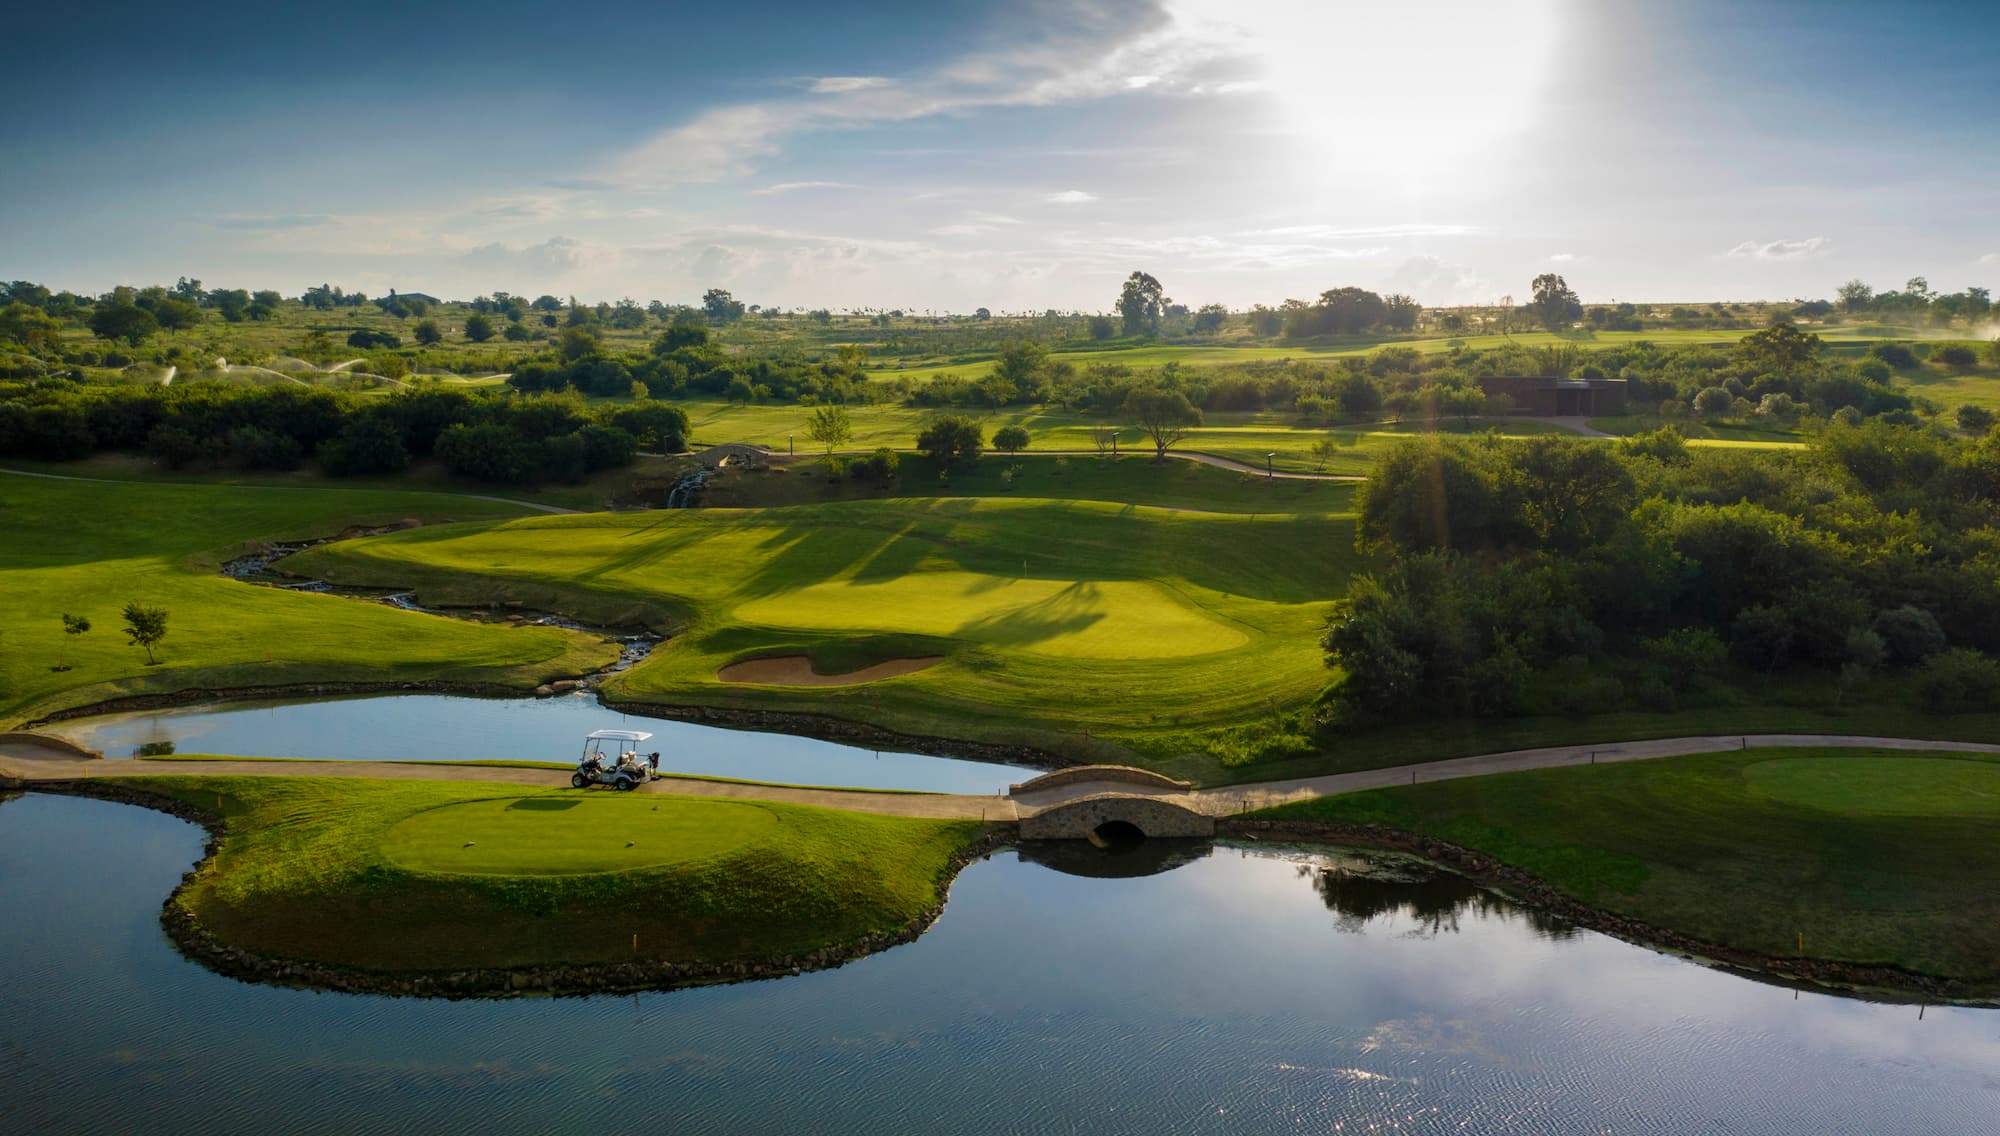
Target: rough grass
1876,857
88,549
1082,627
345,871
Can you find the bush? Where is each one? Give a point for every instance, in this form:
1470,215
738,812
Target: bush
880,465
1956,355
364,446
1713,402
1761,637
1959,680
1687,655
487,452
1101,327
1896,355
1910,633
252,447
370,340
1974,419
172,446
951,439
1013,439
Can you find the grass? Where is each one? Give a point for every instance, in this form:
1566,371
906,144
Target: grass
374,874
87,549
1875,857
1088,628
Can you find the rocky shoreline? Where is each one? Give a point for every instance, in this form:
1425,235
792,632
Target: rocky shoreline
1884,983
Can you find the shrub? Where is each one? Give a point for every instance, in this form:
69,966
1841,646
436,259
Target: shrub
1013,439
1959,680
951,439
1875,370
488,452
370,340
1761,637
1974,419
1956,355
1896,355
1713,402
172,446
880,465
252,447
1687,655
364,446
1910,634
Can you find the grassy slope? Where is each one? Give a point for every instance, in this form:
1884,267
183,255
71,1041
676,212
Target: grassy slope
304,874
87,549
1149,628
1875,857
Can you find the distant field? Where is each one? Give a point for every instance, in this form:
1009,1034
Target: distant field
88,549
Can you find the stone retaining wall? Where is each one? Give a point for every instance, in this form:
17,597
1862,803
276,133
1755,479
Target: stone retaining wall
49,741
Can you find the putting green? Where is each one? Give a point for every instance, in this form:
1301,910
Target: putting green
1881,786
565,835
1101,619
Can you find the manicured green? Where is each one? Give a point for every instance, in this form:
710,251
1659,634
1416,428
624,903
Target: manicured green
1875,857
377,874
1088,628
88,549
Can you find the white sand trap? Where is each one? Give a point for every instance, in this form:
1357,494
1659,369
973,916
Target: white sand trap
797,670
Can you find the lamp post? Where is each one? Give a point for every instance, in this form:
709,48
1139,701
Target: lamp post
789,447
1270,470
1114,443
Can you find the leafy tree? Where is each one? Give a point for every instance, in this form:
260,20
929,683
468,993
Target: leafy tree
830,427
1400,312
1208,318
478,328
32,328
1013,439
1165,415
1713,402
1139,302
1020,368
982,314
720,306
578,343
1101,327
145,626
1909,634
951,440
128,322
73,625
428,333
1779,349
1958,681
1554,304
364,446
366,340
1856,295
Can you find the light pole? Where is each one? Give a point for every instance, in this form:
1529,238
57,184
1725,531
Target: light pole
1114,443
1270,470
789,448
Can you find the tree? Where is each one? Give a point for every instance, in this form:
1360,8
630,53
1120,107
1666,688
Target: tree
1166,416
145,626
1020,367
1400,311
951,439
1714,402
478,328
1101,327
1974,419
1208,318
1554,304
427,333
1139,302
32,328
830,427
1855,295
123,321
72,625
1013,439
720,306
364,446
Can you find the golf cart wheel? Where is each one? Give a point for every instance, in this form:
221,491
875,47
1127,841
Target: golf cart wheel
579,781
626,784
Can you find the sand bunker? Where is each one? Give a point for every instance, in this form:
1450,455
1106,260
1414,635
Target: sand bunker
797,670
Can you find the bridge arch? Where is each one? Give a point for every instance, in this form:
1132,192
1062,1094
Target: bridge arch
1109,815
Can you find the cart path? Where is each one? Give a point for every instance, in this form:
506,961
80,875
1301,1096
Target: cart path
28,763
532,505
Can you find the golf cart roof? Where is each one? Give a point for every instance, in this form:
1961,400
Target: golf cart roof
618,736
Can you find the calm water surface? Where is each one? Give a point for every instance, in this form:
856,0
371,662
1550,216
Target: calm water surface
429,727
1241,992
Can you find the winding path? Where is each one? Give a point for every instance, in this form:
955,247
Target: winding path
24,761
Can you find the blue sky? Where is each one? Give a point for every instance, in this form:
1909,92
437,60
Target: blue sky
1009,155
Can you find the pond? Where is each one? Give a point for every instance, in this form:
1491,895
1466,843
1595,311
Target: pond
1235,991
430,727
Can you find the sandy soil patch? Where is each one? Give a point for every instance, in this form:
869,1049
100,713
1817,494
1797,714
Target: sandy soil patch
797,670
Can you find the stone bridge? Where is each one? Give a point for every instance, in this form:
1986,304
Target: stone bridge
742,453
1108,804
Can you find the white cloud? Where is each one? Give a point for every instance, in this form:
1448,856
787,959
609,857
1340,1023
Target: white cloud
1781,250
789,186
1563,258
1140,82
1071,197
279,221
841,84
552,258
1991,259
1437,282
1343,232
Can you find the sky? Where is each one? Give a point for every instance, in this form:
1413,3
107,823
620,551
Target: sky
1008,154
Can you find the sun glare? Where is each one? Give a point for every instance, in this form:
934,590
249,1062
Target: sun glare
1421,85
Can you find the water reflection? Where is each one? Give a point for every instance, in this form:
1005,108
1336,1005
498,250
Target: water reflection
1123,861
1360,889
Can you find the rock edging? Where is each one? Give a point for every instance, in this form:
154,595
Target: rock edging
197,943
1530,889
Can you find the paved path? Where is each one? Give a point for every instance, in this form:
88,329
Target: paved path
534,505
30,763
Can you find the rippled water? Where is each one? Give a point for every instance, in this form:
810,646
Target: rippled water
1245,991
429,727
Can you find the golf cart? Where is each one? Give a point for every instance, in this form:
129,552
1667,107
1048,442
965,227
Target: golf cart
612,757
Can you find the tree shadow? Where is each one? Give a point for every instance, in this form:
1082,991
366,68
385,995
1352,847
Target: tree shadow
1067,612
